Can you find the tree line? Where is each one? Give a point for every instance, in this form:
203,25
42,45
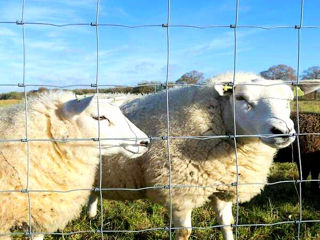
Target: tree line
280,71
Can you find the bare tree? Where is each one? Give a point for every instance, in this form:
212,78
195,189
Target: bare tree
191,77
311,73
280,71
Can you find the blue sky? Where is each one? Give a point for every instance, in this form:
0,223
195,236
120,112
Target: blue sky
66,56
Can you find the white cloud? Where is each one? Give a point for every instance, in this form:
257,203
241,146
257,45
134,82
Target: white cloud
74,3
46,45
222,44
7,32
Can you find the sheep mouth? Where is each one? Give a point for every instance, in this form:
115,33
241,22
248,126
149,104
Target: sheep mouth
136,149
278,142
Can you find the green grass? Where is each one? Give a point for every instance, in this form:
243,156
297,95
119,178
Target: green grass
275,204
306,106
9,102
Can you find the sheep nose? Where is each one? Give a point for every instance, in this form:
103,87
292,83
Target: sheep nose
275,130
145,143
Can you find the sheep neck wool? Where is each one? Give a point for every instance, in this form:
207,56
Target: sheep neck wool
211,163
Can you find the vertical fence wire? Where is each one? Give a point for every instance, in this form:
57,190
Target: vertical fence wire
96,25
26,190
168,116
235,52
297,116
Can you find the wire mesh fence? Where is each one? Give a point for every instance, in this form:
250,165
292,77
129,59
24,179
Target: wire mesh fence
96,25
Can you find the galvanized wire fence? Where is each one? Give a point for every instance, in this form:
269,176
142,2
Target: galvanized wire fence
96,85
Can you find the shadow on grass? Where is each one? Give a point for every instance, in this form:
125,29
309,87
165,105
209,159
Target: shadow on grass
276,203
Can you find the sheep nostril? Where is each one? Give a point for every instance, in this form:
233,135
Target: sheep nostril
144,143
275,130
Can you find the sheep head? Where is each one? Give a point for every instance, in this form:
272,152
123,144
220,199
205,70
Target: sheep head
262,107
81,119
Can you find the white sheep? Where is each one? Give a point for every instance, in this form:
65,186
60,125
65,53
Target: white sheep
119,99
57,165
205,170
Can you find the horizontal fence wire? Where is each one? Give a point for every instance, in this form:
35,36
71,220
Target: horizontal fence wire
159,138
97,86
172,186
161,25
167,229
94,86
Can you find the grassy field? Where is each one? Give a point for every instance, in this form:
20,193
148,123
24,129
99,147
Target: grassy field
306,106
9,102
276,203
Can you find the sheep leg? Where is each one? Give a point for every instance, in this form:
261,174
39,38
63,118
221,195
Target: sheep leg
224,216
305,174
182,218
314,175
92,205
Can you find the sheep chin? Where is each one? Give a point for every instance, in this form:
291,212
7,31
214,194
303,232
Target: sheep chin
278,142
134,151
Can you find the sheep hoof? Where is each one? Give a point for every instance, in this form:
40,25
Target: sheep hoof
183,234
38,237
92,212
92,206
92,215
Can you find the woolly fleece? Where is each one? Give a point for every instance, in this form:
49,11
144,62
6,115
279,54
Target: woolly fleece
194,111
58,166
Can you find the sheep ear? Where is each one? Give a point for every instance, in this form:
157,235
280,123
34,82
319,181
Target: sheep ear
76,107
309,86
224,89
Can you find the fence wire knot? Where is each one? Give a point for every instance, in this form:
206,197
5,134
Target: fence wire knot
28,234
164,138
24,190
166,228
19,22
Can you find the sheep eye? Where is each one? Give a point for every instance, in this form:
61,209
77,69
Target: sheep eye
101,118
241,98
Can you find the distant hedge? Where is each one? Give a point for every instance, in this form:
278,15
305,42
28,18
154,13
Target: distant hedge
11,95
133,90
142,89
